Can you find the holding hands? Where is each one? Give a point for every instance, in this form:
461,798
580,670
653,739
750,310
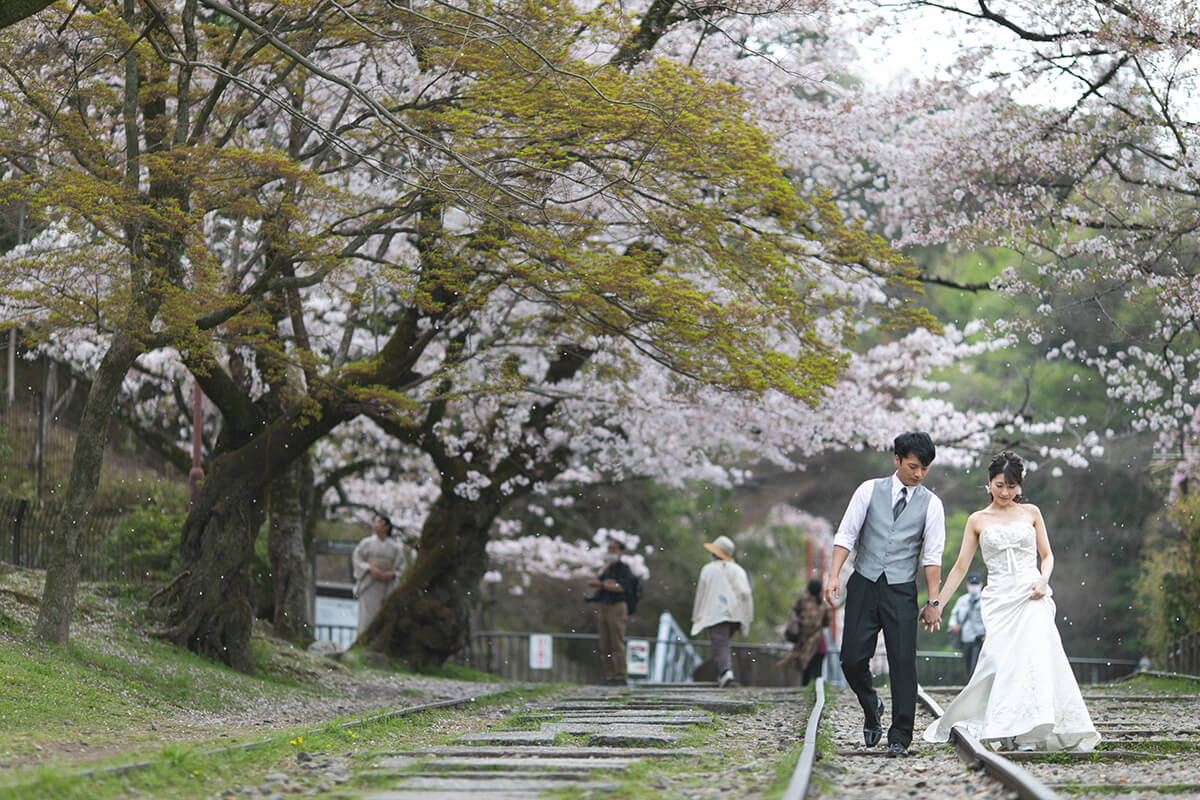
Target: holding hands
931,616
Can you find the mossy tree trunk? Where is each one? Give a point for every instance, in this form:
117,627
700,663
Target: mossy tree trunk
427,618
211,603
289,545
62,573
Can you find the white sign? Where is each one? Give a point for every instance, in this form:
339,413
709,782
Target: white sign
541,651
637,657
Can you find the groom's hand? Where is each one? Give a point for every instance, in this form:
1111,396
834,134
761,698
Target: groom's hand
931,617
832,591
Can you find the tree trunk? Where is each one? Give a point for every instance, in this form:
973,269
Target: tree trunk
13,11
212,601
290,553
212,608
427,618
62,572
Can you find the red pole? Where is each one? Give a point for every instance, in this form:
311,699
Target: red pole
808,557
196,475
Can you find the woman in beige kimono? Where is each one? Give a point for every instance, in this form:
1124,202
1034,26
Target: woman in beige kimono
378,561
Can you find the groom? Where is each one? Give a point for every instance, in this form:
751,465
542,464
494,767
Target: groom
896,524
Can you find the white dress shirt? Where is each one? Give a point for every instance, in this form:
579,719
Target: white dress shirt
856,514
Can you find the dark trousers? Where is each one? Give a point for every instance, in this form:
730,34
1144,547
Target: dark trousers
892,608
970,651
720,636
812,670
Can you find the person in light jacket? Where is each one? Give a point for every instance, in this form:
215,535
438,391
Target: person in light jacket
724,604
378,561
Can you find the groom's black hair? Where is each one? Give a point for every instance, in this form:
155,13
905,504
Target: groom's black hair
916,444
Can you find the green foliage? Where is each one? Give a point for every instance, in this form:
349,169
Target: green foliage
1167,590
774,554
144,543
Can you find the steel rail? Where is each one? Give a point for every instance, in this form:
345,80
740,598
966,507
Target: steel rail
797,787
973,751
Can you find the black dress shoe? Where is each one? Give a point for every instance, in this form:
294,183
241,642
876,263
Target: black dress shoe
873,728
897,750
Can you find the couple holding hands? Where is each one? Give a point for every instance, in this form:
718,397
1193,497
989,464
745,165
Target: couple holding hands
1022,694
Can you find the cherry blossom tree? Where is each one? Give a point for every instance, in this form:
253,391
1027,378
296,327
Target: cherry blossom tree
1066,132
483,252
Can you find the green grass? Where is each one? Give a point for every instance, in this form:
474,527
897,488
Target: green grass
1154,683
96,689
116,696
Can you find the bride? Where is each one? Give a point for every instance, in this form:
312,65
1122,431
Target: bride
1022,694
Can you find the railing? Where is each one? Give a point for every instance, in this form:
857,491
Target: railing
574,658
341,635
1183,654
674,660
24,539
945,668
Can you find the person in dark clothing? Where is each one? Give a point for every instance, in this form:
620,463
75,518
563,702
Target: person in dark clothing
812,618
612,586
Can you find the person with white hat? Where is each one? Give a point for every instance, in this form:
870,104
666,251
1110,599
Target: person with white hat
724,603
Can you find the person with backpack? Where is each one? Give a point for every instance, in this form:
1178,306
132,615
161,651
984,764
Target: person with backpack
616,590
724,603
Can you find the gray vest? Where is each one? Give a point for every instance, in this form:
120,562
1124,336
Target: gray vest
887,547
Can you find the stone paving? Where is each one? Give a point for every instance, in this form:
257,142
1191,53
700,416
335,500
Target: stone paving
577,743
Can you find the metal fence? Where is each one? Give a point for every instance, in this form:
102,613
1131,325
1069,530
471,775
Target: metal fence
947,668
575,659
25,527
1183,654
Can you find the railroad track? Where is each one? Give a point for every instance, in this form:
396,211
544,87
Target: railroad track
1150,751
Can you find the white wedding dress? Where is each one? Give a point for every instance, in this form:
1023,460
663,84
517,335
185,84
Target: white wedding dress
1023,693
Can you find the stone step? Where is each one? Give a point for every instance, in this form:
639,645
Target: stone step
453,794
530,763
509,737
663,716
490,782
555,751
617,733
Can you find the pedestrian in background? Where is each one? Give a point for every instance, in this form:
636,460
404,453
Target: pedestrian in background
612,587
378,562
724,604
808,621
966,622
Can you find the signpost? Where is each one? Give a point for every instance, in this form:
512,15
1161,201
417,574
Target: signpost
541,651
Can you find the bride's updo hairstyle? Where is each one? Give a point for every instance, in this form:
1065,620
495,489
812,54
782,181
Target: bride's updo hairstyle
1012,467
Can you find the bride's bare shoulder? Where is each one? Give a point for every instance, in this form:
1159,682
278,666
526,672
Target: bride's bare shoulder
976,520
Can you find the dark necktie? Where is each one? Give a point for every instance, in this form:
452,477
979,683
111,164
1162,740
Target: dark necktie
901,503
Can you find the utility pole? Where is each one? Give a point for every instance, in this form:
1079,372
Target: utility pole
196,475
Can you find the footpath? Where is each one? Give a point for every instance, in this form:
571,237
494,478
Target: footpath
686,740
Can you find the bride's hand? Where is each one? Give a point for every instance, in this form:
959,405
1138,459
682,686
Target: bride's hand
1039,589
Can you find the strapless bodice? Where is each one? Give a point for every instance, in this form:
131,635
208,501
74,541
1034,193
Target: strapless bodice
1009,549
